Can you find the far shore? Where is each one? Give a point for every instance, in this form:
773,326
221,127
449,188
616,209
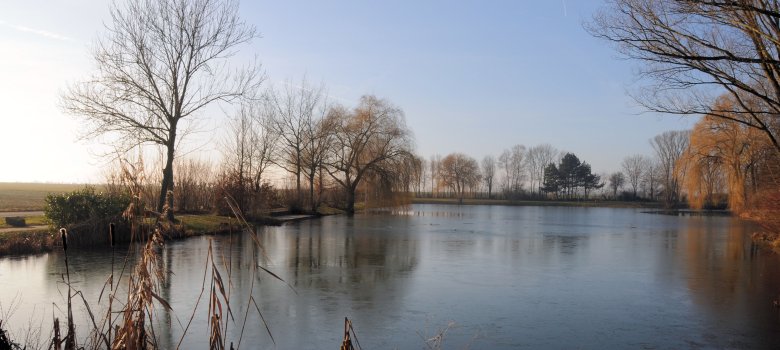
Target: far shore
539,203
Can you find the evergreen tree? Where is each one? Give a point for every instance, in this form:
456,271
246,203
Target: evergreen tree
550,183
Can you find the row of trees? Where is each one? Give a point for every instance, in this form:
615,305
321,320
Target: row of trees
517,173
719,60
161,64
318,144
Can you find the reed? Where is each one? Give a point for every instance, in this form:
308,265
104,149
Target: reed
132,325
349,334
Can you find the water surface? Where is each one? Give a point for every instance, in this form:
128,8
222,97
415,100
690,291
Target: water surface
508,277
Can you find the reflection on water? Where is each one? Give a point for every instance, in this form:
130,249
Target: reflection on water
510,277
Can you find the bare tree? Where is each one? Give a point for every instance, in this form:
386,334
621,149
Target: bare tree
238,154
695,50
669,148
489,173
634,167
248,152
366,139
513,162
616,181
318,138
459,172
422,173
538,158
651,178
158,65
434,173
292,117
194,184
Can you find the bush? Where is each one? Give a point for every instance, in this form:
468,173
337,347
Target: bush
15,221
83,206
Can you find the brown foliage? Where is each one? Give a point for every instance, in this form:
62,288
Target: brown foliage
724,155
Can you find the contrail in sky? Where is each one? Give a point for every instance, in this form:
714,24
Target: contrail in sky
565,13
44,33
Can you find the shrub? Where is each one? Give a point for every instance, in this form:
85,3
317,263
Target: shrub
82,206
15,221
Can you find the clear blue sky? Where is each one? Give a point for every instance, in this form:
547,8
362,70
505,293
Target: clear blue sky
474,77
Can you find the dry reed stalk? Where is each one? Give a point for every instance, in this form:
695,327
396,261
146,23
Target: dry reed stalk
143,285
349,334
70,337
437,341
56,342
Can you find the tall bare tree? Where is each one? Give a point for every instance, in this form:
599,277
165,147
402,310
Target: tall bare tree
616,181
293,112
513,161
318,138
158,65
633,168
669,148
538,158
489,173
651,178
434,163
365,140
238,154
695,50
248,152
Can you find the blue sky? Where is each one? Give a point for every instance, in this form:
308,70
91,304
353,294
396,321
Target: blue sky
474,77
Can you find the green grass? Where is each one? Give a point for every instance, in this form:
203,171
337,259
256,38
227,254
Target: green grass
200,224
15,196
327,210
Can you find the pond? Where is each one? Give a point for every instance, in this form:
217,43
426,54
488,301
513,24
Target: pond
499,277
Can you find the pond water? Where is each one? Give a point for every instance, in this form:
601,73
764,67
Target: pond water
500,277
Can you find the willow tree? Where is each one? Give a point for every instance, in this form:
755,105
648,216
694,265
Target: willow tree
733,149
365,140
159,65
693,51
459,172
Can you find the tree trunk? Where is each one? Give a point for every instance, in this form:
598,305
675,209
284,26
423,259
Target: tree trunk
311,191
167,183
350,209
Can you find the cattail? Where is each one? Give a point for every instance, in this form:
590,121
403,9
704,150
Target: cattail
64,236
111,235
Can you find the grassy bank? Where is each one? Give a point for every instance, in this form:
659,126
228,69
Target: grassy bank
38,240
471,201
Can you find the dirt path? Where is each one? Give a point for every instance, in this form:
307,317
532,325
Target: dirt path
22,229
20,213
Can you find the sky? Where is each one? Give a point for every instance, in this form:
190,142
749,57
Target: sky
473,77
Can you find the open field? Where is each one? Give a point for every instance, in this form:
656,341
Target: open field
15,196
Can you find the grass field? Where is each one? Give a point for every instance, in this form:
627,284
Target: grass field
15,196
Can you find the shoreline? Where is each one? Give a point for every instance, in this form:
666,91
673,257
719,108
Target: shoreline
539,203
24,241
